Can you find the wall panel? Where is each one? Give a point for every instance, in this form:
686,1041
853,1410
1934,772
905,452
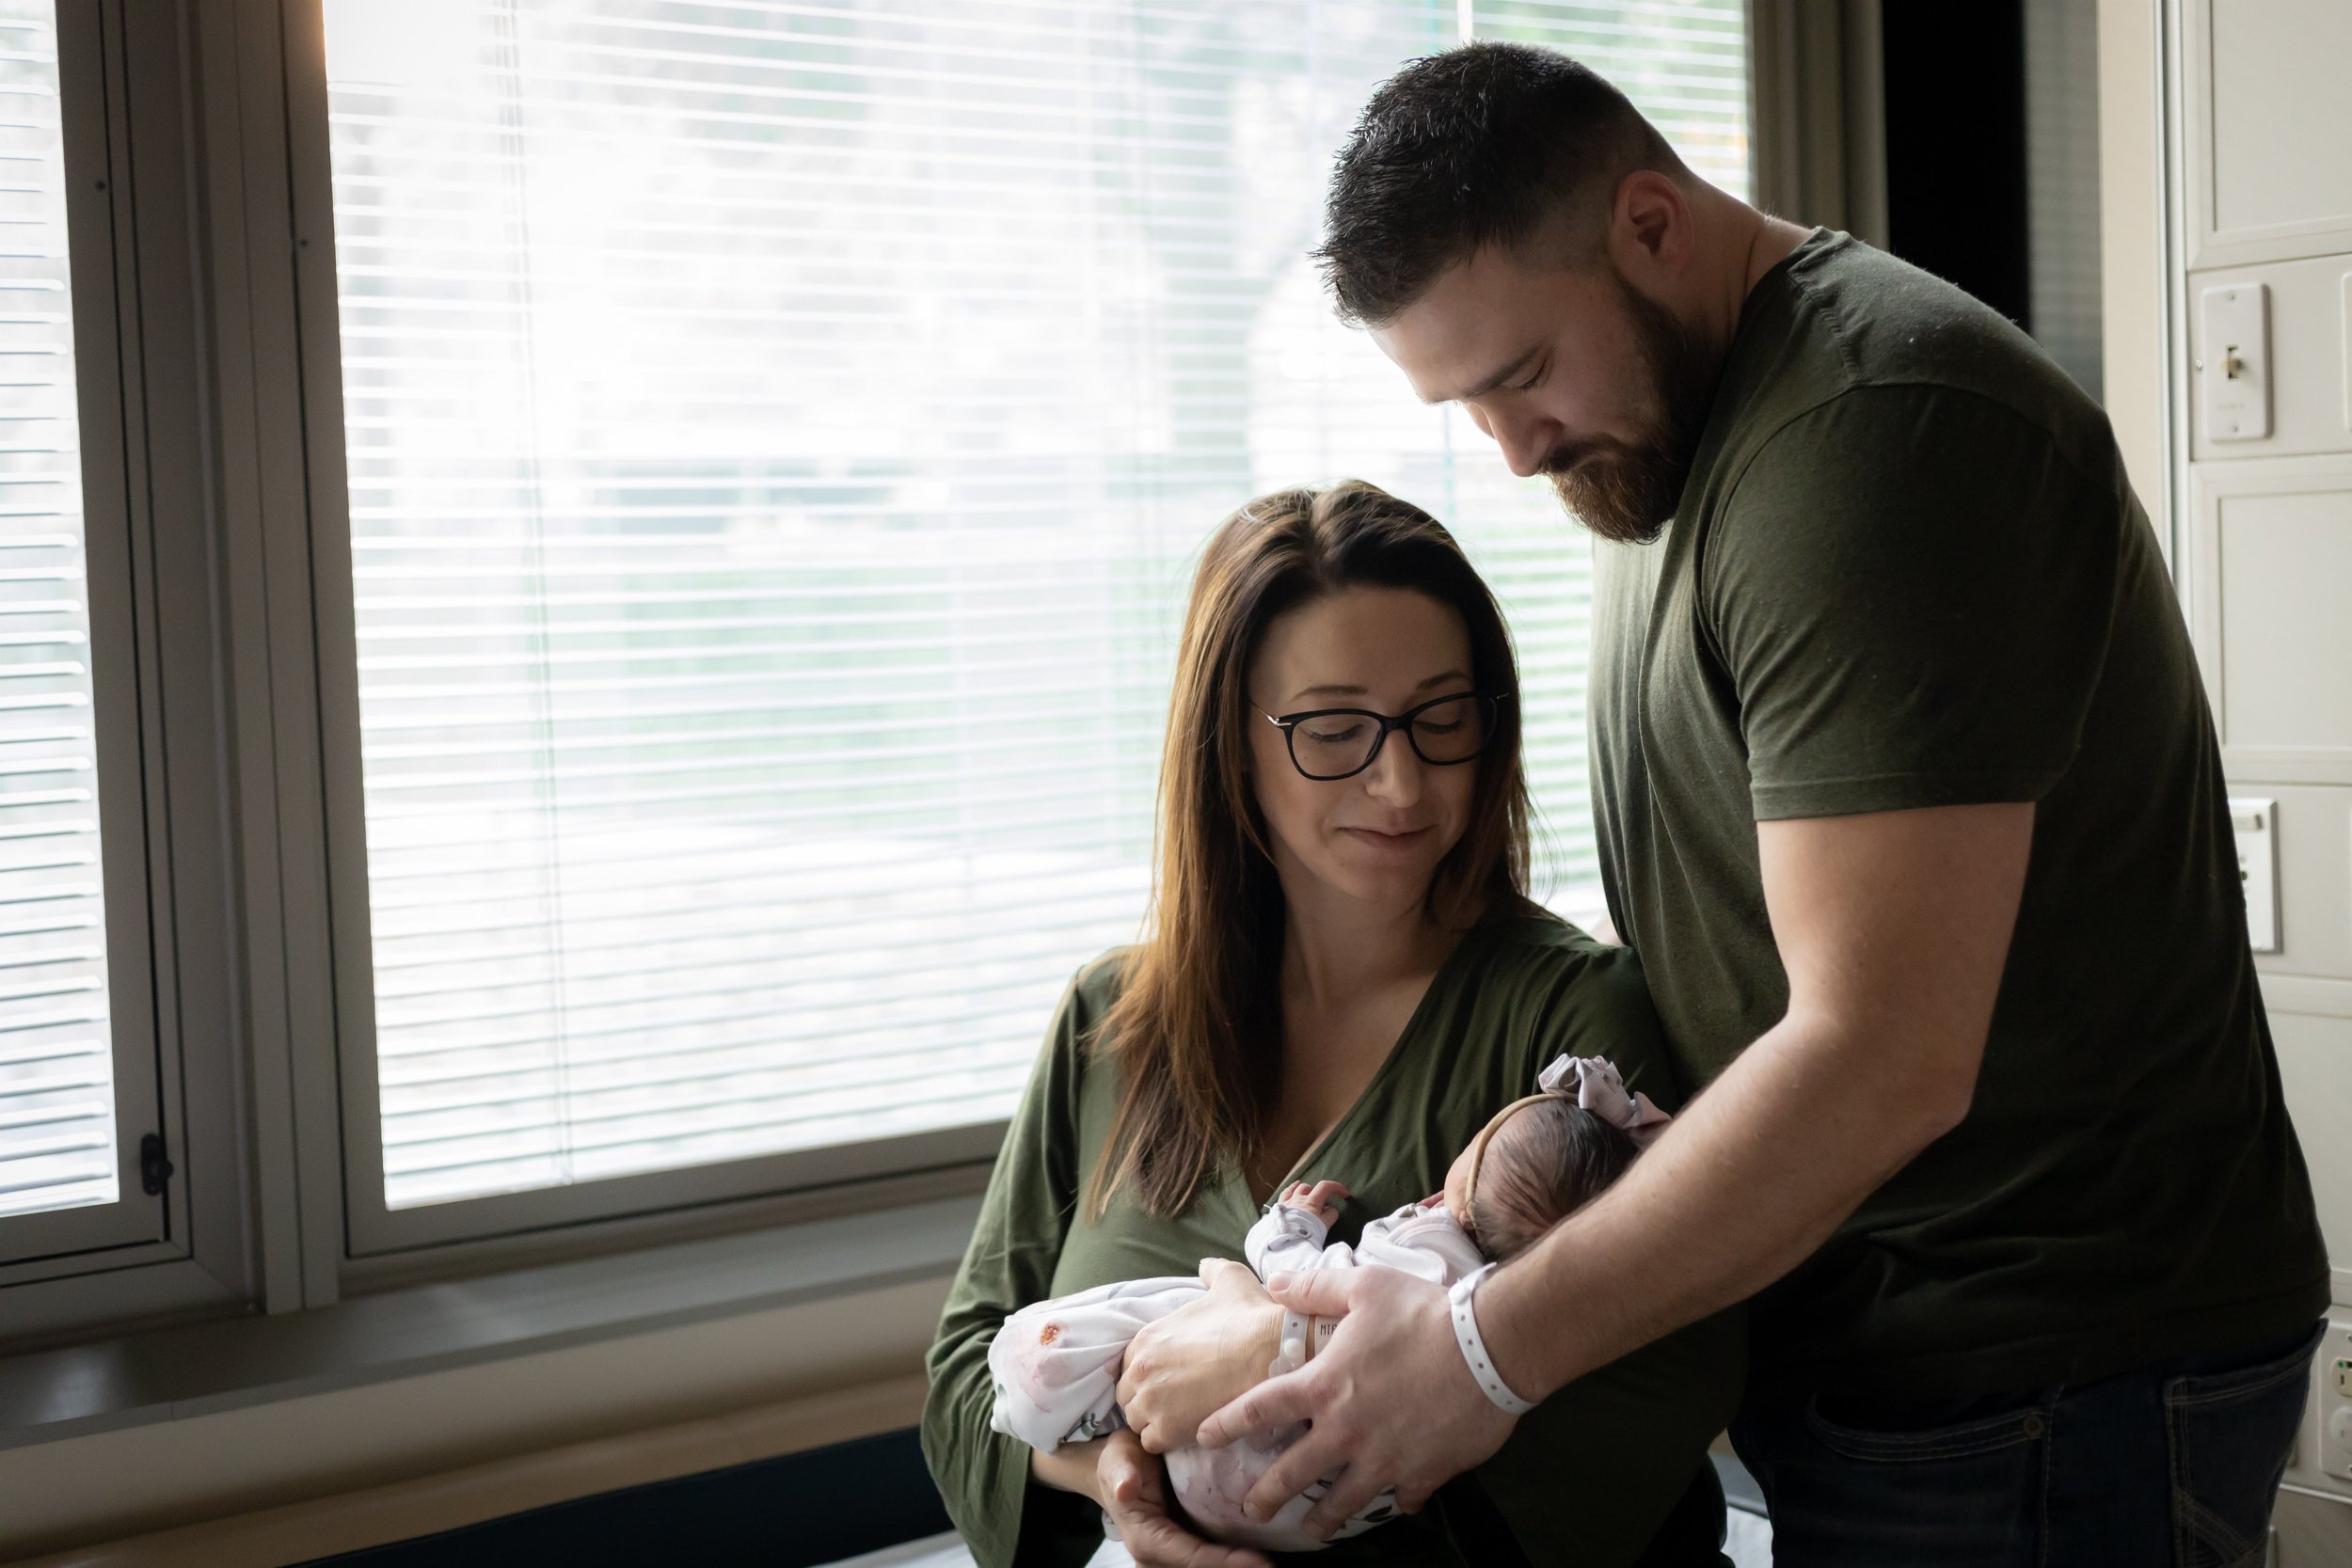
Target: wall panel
2268,573
2265,124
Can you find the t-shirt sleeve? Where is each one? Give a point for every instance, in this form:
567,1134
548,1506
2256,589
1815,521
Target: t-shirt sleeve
983,1475
1911,591
1599,1007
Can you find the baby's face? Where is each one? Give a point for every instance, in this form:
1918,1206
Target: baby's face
1456,1177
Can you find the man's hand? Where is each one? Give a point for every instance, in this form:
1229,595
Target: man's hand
1187,1364
1392,1401
1132,1486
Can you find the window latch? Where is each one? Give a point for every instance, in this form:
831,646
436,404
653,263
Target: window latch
155,1170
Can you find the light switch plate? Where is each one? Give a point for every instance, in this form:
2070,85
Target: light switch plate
2235,369
2256,825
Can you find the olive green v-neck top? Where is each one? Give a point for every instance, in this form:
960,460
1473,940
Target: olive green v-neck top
1587,1478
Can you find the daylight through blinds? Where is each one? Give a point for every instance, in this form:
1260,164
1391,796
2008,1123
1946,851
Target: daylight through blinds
778,437
57,1070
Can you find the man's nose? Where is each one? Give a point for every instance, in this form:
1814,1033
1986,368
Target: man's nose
1526,440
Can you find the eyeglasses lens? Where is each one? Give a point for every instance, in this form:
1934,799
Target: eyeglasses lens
1450,731
1339,744
1334,745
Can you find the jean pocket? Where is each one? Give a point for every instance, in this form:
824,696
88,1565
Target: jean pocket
2231,1434
1981,1435
1920,1490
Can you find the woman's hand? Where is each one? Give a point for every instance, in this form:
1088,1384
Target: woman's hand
1132,1486
1199,1357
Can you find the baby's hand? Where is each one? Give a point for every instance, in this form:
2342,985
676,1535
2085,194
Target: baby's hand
1322,1200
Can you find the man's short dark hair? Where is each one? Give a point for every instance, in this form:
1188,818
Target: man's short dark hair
1490,144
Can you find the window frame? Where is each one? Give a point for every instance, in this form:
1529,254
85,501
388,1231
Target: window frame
140,362
313,1204
374,1237
372,1228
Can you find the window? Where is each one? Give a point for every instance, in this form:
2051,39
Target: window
777,437
78,1068
658,682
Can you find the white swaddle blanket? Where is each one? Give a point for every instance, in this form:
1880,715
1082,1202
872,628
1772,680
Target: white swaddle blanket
1056,1364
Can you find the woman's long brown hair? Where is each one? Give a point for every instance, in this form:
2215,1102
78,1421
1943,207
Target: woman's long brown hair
1196,1030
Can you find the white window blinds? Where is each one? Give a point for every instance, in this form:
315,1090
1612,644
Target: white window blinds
57,1070
778,435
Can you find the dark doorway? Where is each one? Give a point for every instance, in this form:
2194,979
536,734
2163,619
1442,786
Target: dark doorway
1956,176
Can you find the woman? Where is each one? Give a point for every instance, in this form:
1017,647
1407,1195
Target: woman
1345,977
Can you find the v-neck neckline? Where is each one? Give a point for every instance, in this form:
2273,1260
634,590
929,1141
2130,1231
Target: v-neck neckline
1380,1074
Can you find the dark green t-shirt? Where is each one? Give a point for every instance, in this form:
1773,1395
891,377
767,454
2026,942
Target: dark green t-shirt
1908,571
1589,1475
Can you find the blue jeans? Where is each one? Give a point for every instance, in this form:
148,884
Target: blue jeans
2169,1466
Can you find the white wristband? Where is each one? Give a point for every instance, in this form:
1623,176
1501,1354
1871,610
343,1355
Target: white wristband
1292,1350
1482,1365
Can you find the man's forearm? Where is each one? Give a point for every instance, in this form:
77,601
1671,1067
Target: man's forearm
1750,1179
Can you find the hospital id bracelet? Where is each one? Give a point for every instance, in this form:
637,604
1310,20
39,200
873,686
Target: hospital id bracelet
1296,1344
1482,1365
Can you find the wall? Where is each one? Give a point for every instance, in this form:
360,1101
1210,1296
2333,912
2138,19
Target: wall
2131,243
2261,130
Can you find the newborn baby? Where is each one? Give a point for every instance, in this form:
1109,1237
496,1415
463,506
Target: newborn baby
1056,1364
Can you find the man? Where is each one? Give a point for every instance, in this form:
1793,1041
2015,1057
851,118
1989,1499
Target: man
1910,801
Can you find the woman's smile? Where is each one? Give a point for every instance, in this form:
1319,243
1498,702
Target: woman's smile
1393,840
1375,835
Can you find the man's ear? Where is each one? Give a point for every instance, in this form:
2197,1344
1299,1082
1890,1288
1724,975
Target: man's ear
1649,227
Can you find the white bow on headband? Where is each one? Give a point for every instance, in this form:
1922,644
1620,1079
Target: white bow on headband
1600,1089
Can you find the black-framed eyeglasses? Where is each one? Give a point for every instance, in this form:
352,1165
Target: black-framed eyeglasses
1327,743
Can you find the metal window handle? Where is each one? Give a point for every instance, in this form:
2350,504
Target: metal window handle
155,1170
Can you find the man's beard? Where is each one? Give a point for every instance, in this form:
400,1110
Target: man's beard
1625,491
